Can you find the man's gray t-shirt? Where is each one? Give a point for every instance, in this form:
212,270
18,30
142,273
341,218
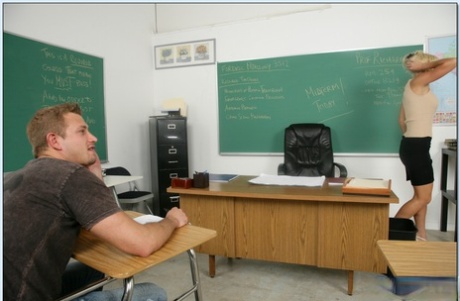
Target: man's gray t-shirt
44,206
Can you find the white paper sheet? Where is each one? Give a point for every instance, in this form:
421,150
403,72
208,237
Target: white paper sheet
265,179
148,218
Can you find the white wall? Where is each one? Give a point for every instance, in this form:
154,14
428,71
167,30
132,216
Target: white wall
335,28
124,36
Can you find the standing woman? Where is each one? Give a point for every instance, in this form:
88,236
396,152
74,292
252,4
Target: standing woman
416,119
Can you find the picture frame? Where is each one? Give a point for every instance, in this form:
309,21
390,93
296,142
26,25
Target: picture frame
193,53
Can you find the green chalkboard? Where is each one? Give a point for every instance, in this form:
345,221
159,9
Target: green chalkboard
356,93
36,75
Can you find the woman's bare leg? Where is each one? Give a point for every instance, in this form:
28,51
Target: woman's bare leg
417,207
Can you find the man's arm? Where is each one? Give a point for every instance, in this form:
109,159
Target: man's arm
131,237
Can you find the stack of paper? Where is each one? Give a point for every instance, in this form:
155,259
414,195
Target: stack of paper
368,183
264,179
367,186
148,218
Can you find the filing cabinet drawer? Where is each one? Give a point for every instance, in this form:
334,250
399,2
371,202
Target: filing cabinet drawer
165,176
172,131
172,156
168,201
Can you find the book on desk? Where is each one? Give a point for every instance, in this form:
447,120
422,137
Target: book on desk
367,186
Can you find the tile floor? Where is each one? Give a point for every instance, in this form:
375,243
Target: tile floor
252,280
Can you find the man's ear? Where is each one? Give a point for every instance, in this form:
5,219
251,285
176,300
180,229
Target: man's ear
54,141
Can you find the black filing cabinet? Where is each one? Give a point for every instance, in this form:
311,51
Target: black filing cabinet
169,158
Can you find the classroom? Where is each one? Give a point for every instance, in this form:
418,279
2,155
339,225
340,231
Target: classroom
125,37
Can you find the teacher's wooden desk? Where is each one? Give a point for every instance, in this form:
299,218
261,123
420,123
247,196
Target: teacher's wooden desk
116,264
318,226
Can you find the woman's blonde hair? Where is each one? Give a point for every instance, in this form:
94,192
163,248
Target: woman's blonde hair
48,120
419,56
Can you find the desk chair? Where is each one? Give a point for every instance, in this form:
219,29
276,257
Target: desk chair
133,195
308,152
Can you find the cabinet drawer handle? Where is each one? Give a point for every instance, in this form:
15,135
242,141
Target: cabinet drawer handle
172,151
171,126
174,199
173,175
172,162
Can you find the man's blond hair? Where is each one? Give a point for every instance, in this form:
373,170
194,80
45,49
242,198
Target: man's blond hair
48,120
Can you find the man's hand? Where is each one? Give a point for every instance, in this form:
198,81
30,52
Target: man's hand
96,167
177,216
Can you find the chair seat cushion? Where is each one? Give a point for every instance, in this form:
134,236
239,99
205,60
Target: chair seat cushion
133,194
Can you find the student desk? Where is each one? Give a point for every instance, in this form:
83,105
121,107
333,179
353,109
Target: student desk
119,265
318,226
420,258
112,181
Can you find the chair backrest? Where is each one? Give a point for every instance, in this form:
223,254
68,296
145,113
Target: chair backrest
308,150
117,171
121,171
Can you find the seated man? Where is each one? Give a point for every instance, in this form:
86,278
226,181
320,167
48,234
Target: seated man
46,203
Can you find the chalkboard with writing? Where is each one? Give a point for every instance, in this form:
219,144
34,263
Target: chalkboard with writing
356,93
37,75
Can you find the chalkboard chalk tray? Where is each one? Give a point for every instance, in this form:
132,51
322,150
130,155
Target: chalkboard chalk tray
356,93
37,75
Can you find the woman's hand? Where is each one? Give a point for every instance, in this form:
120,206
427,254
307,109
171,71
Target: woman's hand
415,66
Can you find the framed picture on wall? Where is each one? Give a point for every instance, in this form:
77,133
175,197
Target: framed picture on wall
444,88
185,54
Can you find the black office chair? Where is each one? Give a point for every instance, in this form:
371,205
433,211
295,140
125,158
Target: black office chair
308,152
133,195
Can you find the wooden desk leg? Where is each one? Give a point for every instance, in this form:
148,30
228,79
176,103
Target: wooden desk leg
350,282
129,289
212,266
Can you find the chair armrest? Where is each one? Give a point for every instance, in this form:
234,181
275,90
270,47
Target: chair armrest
281,169
342,169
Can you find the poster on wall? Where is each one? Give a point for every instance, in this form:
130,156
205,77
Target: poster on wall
185,54
446,87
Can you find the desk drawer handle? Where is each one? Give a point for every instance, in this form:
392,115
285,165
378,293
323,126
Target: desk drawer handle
171,126
172,162
173,175
172,151
174,199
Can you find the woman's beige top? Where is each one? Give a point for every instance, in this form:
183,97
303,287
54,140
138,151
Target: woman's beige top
419,111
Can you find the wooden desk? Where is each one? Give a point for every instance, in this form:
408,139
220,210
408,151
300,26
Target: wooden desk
302,225
420,258
107,259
